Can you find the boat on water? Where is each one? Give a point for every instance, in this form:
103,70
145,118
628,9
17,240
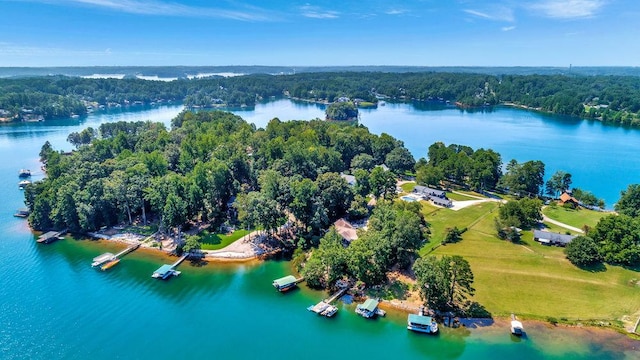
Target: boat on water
110,264
422,323
23,173
23,183
516,326
22,213
324,309
369,309
285,283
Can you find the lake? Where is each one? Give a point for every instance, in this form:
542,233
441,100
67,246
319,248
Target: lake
55,306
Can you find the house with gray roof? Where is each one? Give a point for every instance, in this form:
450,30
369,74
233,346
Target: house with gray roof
440,201
427,192
550,238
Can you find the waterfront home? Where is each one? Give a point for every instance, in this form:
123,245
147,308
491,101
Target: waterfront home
549,238
369,309
441,202
566,198
421,323
427,192
285,283
346,230
350,179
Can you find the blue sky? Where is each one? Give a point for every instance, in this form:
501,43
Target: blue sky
316,33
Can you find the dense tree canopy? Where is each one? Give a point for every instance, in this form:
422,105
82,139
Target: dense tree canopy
629,203
445,283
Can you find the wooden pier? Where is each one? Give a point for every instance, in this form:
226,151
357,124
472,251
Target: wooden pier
50,236
324,307
166,271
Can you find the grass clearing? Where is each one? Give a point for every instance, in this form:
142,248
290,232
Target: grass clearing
576,218
530,279
459,197
215,241
408,187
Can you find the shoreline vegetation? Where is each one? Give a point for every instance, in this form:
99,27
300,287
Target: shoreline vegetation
610,99
296,181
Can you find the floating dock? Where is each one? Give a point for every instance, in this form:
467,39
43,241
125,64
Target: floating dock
286,283
50,236
109,260
23,183
166,271
421,323
324,307
369,309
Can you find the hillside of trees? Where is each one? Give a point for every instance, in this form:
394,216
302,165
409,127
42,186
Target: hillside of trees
612,99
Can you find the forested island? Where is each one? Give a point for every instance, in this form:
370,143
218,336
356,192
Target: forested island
291,181
611,99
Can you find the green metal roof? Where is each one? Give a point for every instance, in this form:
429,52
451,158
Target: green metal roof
419,319
163,269
287,280
370,305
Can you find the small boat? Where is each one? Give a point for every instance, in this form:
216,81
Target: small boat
23,183
110,264
23,173
22,213
516,326
422,323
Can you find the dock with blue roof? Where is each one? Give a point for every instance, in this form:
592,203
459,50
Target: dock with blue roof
165,271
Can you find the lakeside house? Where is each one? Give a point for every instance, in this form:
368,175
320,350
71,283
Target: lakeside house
441,202
566,198
350,179
427,192
346,230
549,238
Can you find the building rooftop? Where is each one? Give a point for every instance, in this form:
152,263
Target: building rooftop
419,319
284,281
369,305
163,270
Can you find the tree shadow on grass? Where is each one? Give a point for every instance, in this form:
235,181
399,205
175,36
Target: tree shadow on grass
594,268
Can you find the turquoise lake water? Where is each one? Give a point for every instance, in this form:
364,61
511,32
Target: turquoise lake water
55,306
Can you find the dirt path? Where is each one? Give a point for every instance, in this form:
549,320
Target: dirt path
558,223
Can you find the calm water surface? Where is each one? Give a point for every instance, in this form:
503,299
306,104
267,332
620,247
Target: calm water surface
55,306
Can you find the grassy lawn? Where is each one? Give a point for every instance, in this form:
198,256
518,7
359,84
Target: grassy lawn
408,187
440,219
529,279
459,197
577,218
558,229
214,241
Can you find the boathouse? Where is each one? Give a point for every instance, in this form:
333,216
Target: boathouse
49,237
285,283
163,272
369,309
549,238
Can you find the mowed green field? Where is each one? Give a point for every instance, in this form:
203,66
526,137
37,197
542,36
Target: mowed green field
575,218
530,279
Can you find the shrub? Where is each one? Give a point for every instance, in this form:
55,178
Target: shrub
583,251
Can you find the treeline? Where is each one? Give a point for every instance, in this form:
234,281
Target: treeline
614,99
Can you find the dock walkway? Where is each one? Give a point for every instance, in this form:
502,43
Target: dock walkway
324,307
166,271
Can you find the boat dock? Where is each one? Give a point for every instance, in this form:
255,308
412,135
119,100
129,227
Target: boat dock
50,236
108,260
286,283
22,213
516,326
324,307
369,309
166,271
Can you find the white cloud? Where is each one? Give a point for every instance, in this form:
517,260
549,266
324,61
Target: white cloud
155,7
396,12
497,13
316,12
568,9
508,28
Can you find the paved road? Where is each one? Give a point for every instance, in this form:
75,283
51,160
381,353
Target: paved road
568,227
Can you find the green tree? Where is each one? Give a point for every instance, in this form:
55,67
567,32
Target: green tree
559,182
629,203
345,110
362,161
583,251
400,160
383,183
429,175
445,283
